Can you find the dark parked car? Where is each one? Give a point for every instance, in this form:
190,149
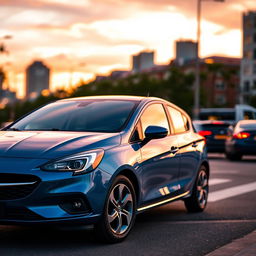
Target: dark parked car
100,160
241,140
215,133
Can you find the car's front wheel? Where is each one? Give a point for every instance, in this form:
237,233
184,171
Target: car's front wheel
198,199
119,211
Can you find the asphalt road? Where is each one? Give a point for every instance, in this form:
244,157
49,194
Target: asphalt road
166,230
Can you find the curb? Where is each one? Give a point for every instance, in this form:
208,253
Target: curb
245,246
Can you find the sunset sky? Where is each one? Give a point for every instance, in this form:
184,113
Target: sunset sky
88,37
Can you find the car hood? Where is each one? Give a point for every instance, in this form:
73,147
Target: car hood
52,144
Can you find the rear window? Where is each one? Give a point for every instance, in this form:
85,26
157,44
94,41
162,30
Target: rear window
248,126
225,115
215,128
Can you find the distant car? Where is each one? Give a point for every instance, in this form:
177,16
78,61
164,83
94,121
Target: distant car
100,160
241,140
215,133
232,115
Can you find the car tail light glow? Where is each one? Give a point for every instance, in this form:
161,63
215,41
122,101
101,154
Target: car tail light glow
217,122
205,133
241,135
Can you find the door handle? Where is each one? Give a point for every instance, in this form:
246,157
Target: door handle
194,144
174,150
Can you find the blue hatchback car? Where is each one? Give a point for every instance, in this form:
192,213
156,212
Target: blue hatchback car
100,160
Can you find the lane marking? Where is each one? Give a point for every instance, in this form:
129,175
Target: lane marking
218,181
231,192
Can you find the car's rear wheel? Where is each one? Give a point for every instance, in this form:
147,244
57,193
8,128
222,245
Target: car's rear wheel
119,212
198,199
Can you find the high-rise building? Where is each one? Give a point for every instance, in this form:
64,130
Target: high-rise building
185,50
142,61
37,79
248,63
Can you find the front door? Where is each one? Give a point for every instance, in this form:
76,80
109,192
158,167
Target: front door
160,167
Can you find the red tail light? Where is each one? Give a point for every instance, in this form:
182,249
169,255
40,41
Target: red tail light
217,122
241,135
205,133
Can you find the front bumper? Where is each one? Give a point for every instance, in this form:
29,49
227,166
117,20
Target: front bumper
55,197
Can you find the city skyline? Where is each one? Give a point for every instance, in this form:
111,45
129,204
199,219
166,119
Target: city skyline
95,37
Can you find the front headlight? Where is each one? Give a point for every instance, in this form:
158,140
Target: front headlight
82,162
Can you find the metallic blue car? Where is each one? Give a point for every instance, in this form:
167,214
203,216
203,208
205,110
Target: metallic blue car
241,140
100,160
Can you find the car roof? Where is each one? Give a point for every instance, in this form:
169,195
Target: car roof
115,97
246,122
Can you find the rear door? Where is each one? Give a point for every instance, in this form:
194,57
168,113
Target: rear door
189,147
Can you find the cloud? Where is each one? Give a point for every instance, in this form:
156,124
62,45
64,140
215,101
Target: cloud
227,14
104,33
56,12
224,14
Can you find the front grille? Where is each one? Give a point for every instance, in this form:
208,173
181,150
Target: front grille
17,191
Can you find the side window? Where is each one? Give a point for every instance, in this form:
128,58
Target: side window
154,115
179,121
136,135
186,122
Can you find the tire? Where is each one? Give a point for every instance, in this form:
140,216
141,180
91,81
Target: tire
233,156
198,200
119,212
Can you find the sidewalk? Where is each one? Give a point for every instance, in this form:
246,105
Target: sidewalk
245,246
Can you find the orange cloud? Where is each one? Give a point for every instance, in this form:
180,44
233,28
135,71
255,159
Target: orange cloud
104,33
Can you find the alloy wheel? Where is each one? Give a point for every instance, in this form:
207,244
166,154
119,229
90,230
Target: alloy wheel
120,209
202,188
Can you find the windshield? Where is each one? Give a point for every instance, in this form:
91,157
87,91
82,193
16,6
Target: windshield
78,115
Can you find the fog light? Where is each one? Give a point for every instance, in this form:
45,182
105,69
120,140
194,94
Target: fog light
75,205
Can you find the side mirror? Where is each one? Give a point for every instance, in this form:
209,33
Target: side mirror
155,132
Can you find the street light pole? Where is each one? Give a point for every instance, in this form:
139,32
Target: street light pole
197,73
197,81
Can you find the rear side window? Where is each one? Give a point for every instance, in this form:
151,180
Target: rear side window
154,115
180,121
